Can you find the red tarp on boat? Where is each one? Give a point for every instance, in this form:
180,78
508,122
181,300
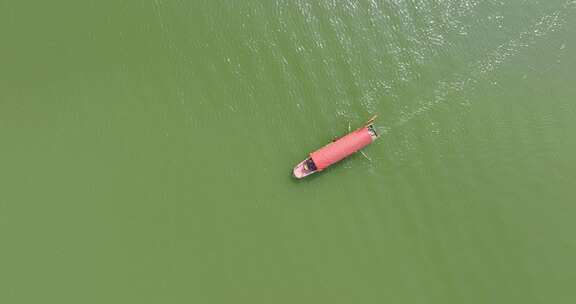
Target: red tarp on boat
341,148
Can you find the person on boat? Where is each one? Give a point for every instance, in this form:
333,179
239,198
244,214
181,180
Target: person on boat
372,131
309,165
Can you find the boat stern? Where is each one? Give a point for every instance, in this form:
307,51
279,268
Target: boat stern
372,132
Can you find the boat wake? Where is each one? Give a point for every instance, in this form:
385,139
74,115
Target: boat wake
481,69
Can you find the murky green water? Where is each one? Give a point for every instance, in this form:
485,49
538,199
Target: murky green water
146,148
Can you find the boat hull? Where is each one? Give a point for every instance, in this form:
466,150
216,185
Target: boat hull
337,150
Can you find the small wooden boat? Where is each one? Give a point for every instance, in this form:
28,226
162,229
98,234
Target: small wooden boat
337,150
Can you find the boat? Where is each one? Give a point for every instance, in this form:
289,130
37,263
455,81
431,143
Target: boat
337,150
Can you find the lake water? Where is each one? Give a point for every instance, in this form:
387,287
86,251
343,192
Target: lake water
146,151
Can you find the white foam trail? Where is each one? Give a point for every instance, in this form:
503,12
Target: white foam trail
493,60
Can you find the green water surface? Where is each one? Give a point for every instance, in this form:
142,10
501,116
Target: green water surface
146,150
